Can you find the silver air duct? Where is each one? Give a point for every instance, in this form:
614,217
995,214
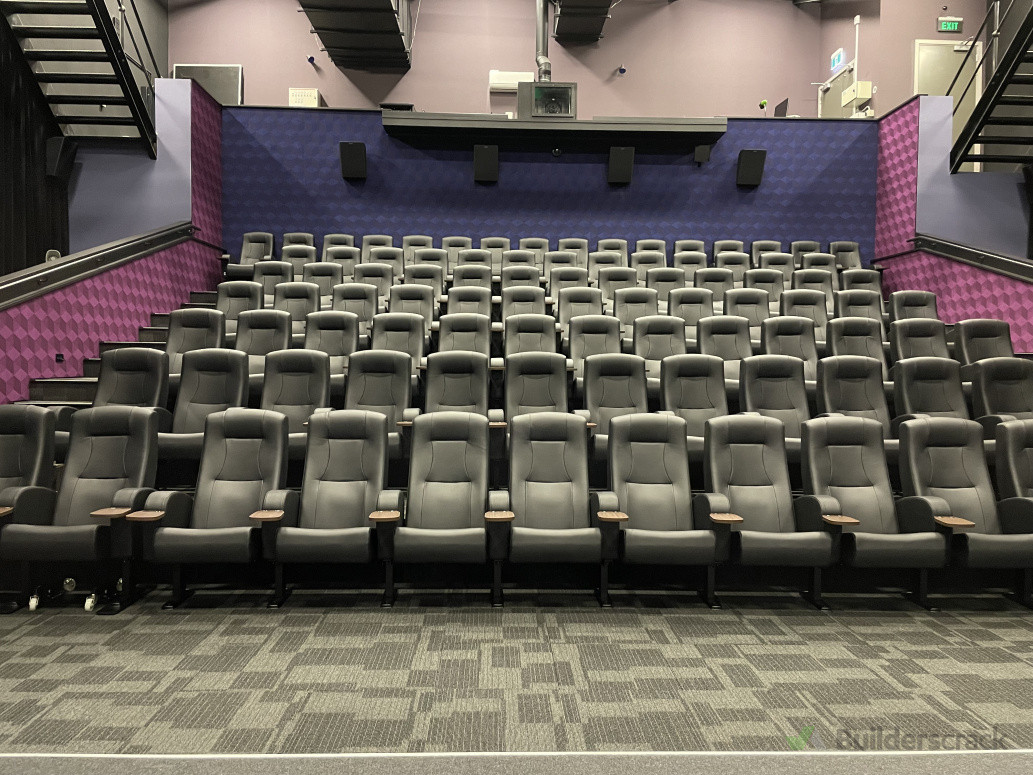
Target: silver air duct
542,53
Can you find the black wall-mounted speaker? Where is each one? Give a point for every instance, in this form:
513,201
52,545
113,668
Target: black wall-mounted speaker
486,164
622,164
751,167
61,156
353,161
702,154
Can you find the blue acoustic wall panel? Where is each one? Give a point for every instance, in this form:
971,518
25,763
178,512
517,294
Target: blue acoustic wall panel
281,172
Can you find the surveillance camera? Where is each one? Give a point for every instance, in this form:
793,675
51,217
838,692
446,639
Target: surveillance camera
557,151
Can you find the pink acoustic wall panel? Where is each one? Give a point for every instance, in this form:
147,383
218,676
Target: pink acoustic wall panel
108,306
206,165
964,291
896,198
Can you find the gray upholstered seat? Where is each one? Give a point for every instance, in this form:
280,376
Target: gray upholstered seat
111,463
847,253
728,338
861,280
337,335
769,280
692,387
928,386
613,279
472,275
243,471
737,262
575,302
360,299
690,262
644,260
726,246
496,246
717,279
467,331
615,385
1002,390
379,275
417,299
297,383
379,381
649,481
663,280
539,246
193,329
612,245
413,242
981,338
260,332
234,297
457,381
651,245
345,257
752,304
269,274
691,305
825,261
761,246
302,238
297,300
800,247
689,246
857,336
791,335
256,246
601,258
655,337
559,278
773,386
816,280
630,304
918,338
429,274
808,303
324,276
852,385
521,275
469,298
913,304
430,257
298,256
401,331
535,382
26,448
331,241
371,241
475,256
452,245
860,303
746,475
562,259
529,333
780,262
576,245
591,335
522,300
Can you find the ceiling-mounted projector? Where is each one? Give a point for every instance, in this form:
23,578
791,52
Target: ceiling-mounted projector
546,99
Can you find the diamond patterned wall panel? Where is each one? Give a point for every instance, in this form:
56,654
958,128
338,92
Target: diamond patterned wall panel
896,198
964,291
281,172
206,165
108,306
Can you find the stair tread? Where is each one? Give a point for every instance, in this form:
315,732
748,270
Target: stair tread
51,402
98,120
74,7
55,31
84,78
61,380
87,99
65,55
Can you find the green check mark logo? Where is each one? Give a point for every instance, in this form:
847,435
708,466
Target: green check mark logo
799,742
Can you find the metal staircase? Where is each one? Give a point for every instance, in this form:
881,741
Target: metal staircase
90,66
372,35
1000,129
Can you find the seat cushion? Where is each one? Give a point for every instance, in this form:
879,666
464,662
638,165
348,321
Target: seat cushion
670,547
581,544
812,549
455,545
903,550
300,544
980,550
224,544
72,543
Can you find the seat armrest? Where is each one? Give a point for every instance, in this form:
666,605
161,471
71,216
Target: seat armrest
990,423
164,419
498,500
391,500
583,413
916,513
950,524
410,414
499,516
496,416
62,417
499,528
132,498
497,424
611,516
28,505
1016,515
267,515
115,512
896,422
725,519
705,504
602,500
145,516
385,522
839,520
176,507
809,512
385,516
285,501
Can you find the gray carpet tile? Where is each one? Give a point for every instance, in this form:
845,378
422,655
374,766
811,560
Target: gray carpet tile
552,672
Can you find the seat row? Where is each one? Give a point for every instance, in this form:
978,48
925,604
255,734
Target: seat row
105,512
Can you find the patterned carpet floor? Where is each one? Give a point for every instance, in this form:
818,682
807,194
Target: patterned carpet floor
444,672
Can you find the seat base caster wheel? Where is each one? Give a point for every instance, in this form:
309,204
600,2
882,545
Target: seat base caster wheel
33,602
90,603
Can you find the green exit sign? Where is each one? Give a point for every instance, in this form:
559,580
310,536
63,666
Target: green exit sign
949,24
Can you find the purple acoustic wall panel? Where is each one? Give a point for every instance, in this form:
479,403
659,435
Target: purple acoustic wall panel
897,180
206,165
108,306
281,172
964,291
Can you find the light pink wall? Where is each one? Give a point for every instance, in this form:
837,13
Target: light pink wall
837,31
704,57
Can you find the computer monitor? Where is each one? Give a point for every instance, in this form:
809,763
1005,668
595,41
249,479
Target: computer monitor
782,108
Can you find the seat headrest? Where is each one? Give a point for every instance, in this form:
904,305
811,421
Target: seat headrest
851,367
714,274
745,429
691,296
773,367
342,252
465,321
327,320
298,251
580,293
417,292
694,365
944,432
616,273
919,327
614,365
195,318
384,251
984,327
398,321
474,254
914,298
531,323
113,420
494,242
18,419
449,426
765,276
348,424
594,324
660,324
323,268
746,296
374,269
790,325
520,272
649,428
851,326
470,292
928,367
296,361
297,290
430,254
523,293
215,359
1004,368
135,359
264,318
241,288
859,297
724,324
379,362
457,362
274,268
547,426
536,363
239,423
364,291
843,430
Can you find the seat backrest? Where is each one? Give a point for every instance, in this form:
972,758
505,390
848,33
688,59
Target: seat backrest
417,299
530,333
297,299
929,386
519,258
769,280
663,280
393,257
298,256
848,254
656,337
1003,386
297,382
133,376
495,247
467,331
379,275
773,385
324,276
982,338
726,246
452,246
236,296
431,256
689,261
651,246
302,238
345,257
612,245
244,456
370,241
256,246
561,277
793,336
913,304
470,298
612,279
735,261
516,275
602,258
548,471
649,471
331,241
564,258
522,300
844,457
782,262
193,329
413,242
428,274
214,379
535,382
448,472
800,247
717,279
749,303
857,336
577,300
689,245
592,335
761,246
918,337
472,275
861,280
269,274
379,381
644,260
691,304
537,245
476,256
402,331
260,331
726,336
815,279
692,386
852,385
629,304
360,299
576,245
744,459
26,446
859,303
457,381
807,303
943,457
109,448
1014,464
345,469
825,261
615,384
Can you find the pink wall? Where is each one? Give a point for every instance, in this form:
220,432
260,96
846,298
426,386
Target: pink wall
896,197
205,165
